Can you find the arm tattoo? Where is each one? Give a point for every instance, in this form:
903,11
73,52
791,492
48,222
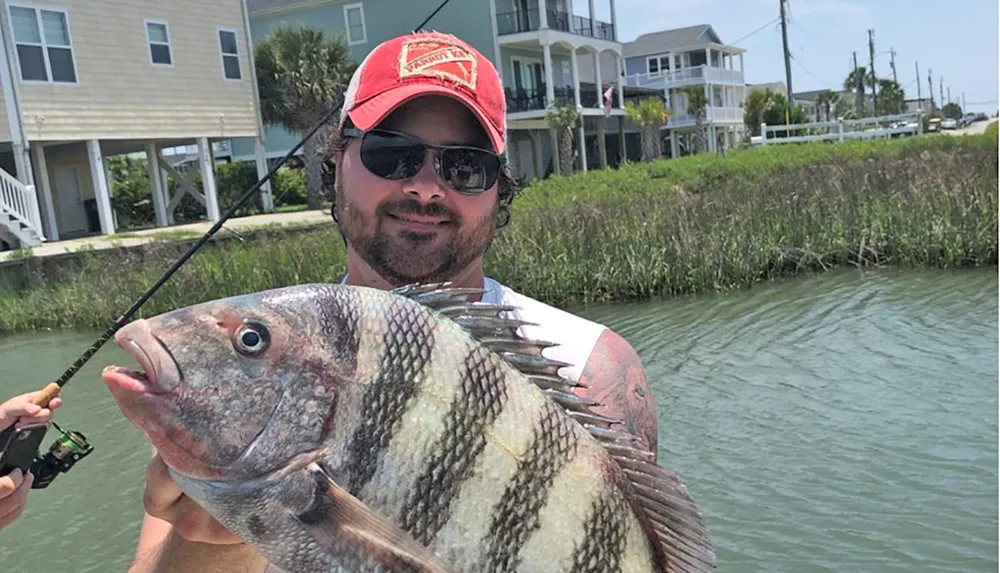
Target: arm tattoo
614,377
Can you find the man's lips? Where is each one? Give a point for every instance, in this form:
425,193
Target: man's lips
420,220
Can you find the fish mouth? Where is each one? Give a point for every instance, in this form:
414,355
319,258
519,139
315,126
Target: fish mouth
159,372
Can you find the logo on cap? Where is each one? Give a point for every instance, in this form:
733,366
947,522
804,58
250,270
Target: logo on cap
438,59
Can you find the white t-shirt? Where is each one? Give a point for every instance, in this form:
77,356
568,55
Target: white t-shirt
575,336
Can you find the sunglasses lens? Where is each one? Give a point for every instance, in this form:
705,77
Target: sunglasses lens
469,169
396,156
391,156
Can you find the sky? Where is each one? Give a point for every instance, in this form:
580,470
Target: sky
955,39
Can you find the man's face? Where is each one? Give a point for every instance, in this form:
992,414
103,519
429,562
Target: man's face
416,230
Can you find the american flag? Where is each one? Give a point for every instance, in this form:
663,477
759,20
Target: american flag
607,101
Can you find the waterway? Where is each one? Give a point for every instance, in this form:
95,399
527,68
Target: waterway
841,422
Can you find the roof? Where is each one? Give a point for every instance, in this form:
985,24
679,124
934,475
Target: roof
665,40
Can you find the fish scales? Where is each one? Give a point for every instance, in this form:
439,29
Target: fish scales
414,430
473,379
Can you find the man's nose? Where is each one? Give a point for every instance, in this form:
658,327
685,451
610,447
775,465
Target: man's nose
426,185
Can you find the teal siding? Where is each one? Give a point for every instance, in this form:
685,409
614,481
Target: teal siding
470,20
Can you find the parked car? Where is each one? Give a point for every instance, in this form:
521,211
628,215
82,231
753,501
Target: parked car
949,123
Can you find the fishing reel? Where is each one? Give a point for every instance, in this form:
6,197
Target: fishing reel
69,448
19,449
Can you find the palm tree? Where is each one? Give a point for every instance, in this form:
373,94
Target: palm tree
301,74
827,99
696,102
856,81
563,118
757,104
649,114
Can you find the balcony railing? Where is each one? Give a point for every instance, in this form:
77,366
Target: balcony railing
680,118
534,99
517,22
528,21
602,30
589,98
670,78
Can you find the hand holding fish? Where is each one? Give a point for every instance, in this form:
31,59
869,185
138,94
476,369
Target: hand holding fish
164,500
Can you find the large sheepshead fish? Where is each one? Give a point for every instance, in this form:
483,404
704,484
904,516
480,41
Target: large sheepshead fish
408,430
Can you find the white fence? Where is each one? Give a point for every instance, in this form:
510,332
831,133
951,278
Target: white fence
882,127
19,201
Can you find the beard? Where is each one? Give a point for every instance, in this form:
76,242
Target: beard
406,257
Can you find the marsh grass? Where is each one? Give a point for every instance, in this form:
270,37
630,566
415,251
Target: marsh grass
695,224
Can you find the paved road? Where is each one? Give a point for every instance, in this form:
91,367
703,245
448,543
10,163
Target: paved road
974,129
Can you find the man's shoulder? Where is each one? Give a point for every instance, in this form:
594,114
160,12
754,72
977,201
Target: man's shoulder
607,366
575,336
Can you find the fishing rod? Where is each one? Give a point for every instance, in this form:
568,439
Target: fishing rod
52,389
19,445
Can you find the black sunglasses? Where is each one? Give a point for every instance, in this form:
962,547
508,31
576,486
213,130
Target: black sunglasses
394,156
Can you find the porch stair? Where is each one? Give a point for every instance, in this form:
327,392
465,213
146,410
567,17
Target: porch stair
19,214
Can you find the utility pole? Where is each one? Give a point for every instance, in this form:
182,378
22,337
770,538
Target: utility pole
860,89
941,89
916,65
930,88
892,62
949,94
788,55
871,60
963,101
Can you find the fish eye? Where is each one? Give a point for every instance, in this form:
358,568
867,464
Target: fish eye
252,339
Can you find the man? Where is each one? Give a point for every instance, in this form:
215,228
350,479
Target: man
14,487
420,189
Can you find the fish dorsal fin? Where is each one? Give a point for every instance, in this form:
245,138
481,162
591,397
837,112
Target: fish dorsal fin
338,518
673,521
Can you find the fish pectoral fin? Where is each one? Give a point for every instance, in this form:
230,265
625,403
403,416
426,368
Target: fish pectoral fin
338,519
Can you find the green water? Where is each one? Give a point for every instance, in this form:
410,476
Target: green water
843,422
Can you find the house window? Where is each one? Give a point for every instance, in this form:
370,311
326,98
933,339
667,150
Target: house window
354,21
657,64
159,43
230,55
44,50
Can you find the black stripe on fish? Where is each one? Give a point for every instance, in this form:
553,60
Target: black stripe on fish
603,537
479,401
406,350
338,322
670,517
515,517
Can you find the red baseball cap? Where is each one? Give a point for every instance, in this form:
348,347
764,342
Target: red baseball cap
426,63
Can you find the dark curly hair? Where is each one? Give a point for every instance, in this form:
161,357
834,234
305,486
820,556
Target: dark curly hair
507,186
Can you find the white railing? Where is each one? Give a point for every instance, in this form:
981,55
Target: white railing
671,78
711,114
881,127
724,75
20,202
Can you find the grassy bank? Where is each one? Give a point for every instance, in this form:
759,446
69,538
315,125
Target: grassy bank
689,225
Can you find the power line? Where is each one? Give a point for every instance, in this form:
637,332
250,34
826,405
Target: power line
734,42
810,74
